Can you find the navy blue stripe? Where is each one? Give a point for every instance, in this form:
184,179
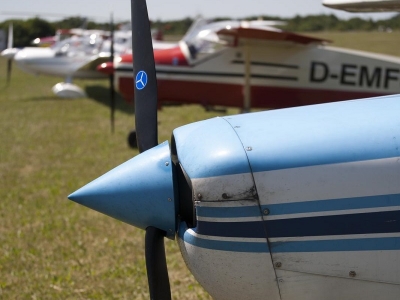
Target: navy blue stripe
366,223
253,229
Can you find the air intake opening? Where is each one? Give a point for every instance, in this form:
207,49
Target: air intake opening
186,210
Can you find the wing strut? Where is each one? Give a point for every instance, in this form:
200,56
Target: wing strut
247,80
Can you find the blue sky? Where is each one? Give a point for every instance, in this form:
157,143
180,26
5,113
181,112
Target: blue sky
99,10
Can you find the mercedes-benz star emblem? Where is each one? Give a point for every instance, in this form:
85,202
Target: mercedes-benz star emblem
141,80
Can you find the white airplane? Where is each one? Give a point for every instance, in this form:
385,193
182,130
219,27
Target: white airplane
74,57
292,204
77,56
363,5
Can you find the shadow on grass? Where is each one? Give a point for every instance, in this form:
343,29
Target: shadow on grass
101,95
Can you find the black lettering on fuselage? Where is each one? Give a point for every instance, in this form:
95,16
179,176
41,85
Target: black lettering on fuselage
319,71
348,74
388,76
355,75
370,81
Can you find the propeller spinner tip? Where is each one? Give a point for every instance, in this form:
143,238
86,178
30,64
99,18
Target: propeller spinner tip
139,192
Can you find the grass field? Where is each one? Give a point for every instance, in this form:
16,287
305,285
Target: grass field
51,248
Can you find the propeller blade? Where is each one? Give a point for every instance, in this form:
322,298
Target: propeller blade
156,264
111,76
145,81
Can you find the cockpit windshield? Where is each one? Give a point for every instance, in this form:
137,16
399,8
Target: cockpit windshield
205,40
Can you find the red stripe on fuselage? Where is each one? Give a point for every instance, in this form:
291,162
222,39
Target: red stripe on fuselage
220,94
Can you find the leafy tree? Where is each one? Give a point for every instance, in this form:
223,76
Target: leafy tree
26,31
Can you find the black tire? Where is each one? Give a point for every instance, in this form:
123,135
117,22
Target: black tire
132,142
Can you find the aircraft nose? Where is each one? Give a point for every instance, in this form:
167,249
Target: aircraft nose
139,192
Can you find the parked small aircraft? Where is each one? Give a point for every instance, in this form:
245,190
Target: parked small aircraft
253,62
292,204
75,57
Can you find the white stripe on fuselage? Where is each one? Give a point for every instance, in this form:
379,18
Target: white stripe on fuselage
332,181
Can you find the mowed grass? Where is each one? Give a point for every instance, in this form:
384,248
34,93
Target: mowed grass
379,42
52,248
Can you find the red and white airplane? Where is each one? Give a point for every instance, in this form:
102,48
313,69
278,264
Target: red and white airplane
238,64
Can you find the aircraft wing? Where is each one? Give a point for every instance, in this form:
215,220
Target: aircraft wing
363,5
234,34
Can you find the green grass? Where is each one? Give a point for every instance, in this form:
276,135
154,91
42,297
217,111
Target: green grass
380,42
51,248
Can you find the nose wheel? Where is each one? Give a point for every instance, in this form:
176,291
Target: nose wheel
132,142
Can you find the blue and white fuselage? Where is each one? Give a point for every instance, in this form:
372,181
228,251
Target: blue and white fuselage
291,201
299,203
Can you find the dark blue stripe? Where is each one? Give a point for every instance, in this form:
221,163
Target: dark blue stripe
253,229
366,223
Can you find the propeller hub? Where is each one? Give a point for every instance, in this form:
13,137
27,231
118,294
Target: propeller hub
139,192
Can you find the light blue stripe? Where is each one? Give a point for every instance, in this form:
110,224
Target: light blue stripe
371,244
334,204
367,244
301,207
253,247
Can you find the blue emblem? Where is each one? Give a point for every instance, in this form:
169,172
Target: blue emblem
141,80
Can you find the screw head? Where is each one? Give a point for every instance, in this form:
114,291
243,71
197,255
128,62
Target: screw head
249,148
352,273
167,163
278,264
169,199
266,211
199,196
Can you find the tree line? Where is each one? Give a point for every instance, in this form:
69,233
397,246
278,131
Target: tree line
25,31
